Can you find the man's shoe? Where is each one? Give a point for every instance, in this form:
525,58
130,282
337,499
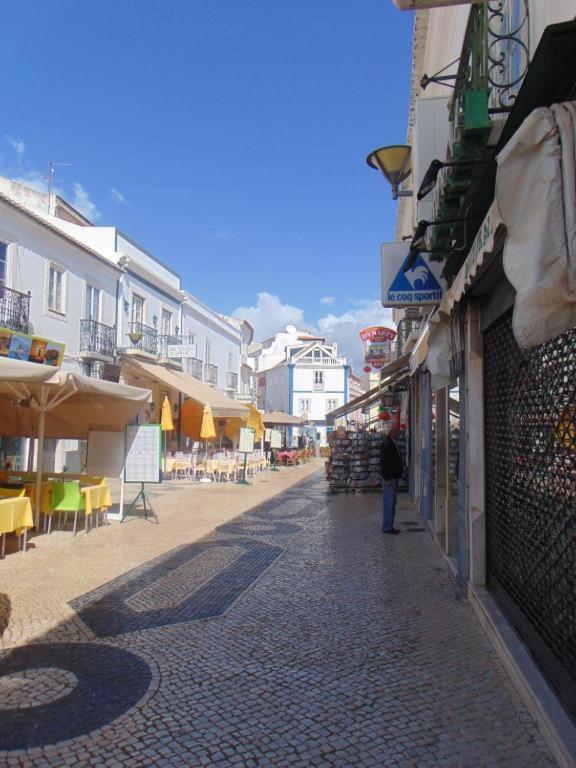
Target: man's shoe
392,530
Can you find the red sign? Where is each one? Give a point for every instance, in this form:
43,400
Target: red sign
377,333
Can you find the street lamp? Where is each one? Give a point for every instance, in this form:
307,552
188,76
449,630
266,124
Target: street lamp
394,163
418,244
135,336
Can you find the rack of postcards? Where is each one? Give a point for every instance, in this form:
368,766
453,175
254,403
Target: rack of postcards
354,462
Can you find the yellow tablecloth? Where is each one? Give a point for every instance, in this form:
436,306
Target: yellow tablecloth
45,488
97,497
15,515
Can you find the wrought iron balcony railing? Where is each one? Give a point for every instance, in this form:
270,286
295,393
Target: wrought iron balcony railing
194,367
143,337
231,380
165,341
97,369
210,374
97,337
14,309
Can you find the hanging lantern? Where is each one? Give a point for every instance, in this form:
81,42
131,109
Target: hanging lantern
385,416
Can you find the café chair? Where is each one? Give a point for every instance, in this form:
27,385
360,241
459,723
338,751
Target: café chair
66,498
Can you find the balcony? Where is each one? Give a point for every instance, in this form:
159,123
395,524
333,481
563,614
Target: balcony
210,374
14,309
318,386
194,367
320,362
97,339
232,380
164,342
494,61
143,337
101,370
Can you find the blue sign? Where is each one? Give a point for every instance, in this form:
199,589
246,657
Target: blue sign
419,285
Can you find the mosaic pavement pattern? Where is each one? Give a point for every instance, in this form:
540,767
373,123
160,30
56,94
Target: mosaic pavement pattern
320,644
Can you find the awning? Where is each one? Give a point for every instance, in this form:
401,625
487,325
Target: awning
389,375
420,350
150,374
281,419
72,404
536,193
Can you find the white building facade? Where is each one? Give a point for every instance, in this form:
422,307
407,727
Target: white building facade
110,303
309,380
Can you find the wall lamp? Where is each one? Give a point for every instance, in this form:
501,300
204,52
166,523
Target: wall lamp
418,244
431,175
394,163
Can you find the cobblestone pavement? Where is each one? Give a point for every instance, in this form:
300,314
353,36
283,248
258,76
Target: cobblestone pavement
295,635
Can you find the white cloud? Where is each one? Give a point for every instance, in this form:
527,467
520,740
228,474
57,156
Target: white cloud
117,196
270,315
344,329
18,146
83,203
329,300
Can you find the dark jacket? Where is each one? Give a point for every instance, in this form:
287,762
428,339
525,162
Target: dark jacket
391,466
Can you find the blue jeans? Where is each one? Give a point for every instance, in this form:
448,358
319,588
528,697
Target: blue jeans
388,504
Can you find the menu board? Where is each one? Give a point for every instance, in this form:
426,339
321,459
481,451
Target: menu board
143,451
246,440
276,438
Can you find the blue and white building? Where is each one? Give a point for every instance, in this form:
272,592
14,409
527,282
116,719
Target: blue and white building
303,375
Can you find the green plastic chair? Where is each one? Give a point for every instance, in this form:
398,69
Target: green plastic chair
66,497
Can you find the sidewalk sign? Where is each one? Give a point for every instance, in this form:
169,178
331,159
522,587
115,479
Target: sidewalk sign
143,461
246,446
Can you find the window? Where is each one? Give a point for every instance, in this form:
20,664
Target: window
304,405
317,353
92,303
3,260
56,297
166,323
318,377
331,405
137,308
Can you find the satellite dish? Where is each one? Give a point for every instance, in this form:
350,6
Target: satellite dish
291,329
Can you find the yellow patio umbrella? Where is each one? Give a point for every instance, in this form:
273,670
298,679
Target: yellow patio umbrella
166,419
253,421
198,423
166,423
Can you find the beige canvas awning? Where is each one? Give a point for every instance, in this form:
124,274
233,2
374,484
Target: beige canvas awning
72,404
151,374
281,419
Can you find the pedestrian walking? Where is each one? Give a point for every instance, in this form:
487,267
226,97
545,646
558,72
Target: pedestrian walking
391,468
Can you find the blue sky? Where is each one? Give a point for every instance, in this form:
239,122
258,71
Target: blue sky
228,137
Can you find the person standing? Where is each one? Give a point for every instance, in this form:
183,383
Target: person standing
391,468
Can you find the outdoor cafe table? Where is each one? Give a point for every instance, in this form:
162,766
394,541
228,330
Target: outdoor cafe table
15,517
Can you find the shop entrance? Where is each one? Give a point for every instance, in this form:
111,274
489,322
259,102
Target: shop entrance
530,446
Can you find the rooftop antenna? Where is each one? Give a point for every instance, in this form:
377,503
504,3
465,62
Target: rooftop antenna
51,171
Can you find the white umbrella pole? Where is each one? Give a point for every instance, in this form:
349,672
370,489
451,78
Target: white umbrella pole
39,459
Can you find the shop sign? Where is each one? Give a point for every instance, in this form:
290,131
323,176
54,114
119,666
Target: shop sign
377,346
243,398
181,350
31,349
422,284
